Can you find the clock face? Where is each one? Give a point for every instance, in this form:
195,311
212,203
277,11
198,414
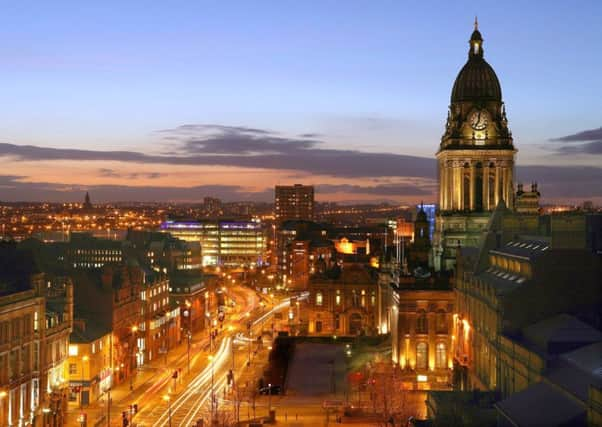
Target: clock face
479,119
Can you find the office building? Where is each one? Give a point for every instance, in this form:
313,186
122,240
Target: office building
228,243
294,202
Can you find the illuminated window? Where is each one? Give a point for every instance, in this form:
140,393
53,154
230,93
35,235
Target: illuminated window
337,299
36,321
73,350
421,355
440,356
319,298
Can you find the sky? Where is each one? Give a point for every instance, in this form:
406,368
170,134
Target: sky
179,100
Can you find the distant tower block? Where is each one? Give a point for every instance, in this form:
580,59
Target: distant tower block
294,202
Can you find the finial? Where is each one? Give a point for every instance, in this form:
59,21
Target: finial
476,23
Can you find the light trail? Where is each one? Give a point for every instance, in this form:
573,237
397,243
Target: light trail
196,385
192,400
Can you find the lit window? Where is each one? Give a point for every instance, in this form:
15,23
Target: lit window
73,350
319,298
440,356
421,355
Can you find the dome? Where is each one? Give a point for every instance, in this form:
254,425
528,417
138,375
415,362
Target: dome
477,80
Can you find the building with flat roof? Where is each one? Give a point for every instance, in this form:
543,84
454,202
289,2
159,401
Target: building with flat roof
294,202
229,243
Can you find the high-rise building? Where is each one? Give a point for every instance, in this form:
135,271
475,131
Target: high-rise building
475,159
294,202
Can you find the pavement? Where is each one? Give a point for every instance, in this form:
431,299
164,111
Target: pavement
152,379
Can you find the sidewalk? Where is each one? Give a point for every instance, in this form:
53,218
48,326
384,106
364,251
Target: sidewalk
156,372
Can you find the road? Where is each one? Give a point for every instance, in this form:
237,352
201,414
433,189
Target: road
193,399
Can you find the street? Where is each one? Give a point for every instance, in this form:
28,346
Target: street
160,397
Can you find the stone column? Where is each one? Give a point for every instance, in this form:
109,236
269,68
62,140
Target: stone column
442,185
497,184
486,187
472,199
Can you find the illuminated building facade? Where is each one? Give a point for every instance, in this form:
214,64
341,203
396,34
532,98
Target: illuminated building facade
159,330
343,301
306,258
195,300
475,159
36,313
110,296
294,202
504,287
527,202
228,243
421,332
292,256
86,251
161,252
89,365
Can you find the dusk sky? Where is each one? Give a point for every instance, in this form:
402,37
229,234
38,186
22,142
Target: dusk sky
180,100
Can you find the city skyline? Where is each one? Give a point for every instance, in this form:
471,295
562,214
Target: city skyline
170,104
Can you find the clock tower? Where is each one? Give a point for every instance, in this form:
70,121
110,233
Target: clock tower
475,161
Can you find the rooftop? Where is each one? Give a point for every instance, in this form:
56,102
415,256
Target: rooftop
541,404
527,249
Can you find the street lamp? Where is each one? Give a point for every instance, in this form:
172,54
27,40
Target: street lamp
168,400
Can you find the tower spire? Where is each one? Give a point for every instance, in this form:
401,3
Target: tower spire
476,41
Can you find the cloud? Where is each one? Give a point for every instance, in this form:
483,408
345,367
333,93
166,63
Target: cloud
245,147
584,142
251,148
15,188
586,135
378,190
111,173
594,147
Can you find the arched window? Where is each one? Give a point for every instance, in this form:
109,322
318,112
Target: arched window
421,323
440,356
421,355
441,322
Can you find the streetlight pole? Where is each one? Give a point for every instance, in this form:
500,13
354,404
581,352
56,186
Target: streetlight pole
188,312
